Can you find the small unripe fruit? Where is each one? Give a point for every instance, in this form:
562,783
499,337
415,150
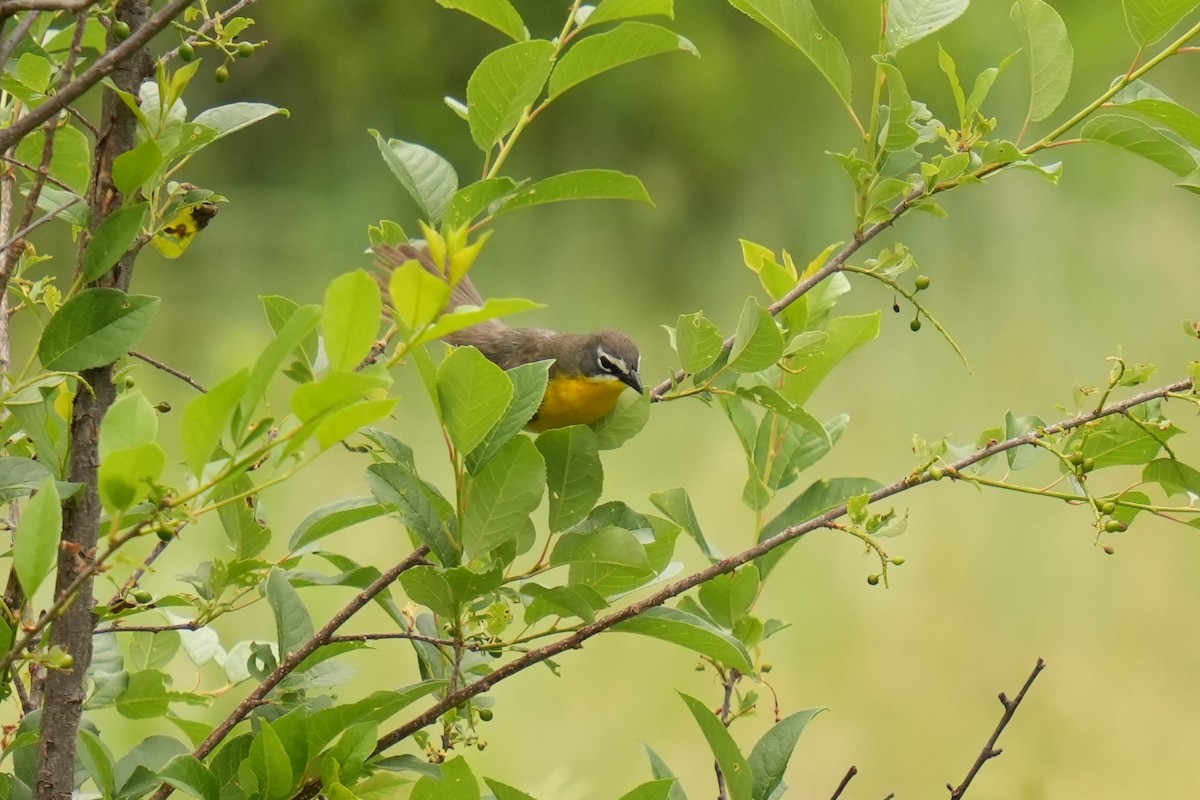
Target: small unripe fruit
66,662
922,283
915,325
898,560
129,382
766,666
141,596
873,579
165,534
162,407
1076,458
1088,465
937,473
221,74
1108,507
120,30
1108,548
245,49
187,52
485,714
1115,526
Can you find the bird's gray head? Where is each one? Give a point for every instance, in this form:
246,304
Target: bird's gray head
617,356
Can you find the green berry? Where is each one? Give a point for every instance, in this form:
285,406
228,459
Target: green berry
164,534
915,325
1076,458
873,579
898,560
221,74
120,30
1088,465
162,407
1115,526
66,662
485,714
141,596
1108,507
187,52
766,666
922,282
245,49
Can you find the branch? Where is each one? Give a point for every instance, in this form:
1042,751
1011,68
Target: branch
208,25
289,664
167,368
585,632
989,750
10,7
182,626
103,66
850,773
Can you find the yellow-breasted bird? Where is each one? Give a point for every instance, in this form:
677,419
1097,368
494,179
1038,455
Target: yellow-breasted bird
589,372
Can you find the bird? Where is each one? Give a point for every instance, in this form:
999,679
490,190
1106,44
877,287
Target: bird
588,373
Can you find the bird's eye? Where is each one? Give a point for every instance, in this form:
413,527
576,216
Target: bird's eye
606,363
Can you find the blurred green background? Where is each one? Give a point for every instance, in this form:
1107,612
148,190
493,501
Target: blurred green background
1038,284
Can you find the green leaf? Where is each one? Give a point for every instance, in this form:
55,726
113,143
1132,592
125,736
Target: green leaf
270,765
500,497
652,790
427,177
152,650
342,423
38,532
234,117
145,695
134,167
729,597
417,296
574,475
698,341
130,421
560,601
910,21
457,783
692,632
334,517
418,505
498,13
293,625
1136,136
818,498
127,476
505,83
628,42
946,63
207,416
504,792
1151,20
611,10
812,364
466,316
94,328
610,560
19,476
677,506
473,394
447,591
758,343
350,321
769,758
900,134
625,421
292,335
1173,476
1021,457
112,239
584,184
1183,121
71,162
796,22
735,768
529,387
1135,439
337,389
1050,54
185,773
97,761
471,201
660,770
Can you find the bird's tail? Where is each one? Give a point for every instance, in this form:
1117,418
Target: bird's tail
389,257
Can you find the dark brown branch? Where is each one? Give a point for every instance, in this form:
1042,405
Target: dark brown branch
167,368
19,33
293,660
990,750
726,565
101,68
850,773
9,7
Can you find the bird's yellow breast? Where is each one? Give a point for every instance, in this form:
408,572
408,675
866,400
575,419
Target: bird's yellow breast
575,400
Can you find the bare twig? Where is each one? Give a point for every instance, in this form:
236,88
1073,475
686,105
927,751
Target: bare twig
9,7
167,368
850,773
182,626
374,637
19,33
101,68
294,659
726,565
989,750
133,579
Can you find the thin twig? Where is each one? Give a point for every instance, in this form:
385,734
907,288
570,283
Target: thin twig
133,579
294,659
850,773
727,565
989,750
9,7
99,69
374,637
208,24
18,35
167,368
182,626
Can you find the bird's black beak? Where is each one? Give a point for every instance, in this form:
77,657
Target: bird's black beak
632,380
